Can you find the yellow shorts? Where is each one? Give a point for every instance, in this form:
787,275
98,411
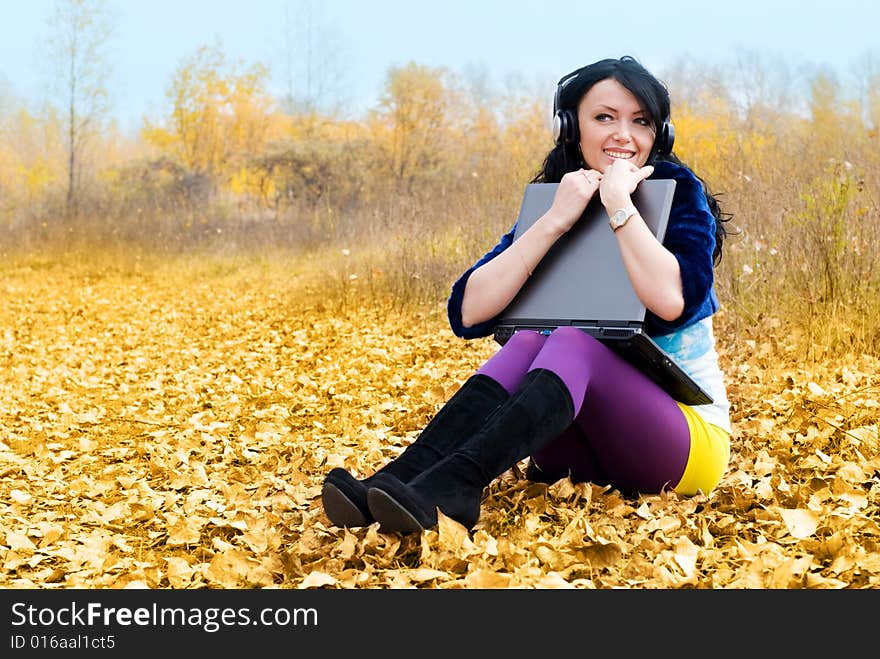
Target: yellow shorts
710,453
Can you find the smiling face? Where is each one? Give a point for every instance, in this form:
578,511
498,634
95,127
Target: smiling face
613,126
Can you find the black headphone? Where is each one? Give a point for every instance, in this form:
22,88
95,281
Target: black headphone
565,123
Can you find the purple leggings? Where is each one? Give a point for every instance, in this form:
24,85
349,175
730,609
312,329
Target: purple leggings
627,432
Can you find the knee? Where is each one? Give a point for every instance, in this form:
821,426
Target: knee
569,333
527,340
575,337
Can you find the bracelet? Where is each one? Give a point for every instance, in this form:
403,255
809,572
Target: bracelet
523,259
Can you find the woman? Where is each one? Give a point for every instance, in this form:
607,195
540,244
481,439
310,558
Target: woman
565,400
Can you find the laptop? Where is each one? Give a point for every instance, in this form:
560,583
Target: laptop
582,282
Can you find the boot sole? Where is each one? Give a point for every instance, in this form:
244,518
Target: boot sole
390,514
341,510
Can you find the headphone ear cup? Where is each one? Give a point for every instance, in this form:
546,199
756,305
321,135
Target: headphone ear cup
565,128
666,139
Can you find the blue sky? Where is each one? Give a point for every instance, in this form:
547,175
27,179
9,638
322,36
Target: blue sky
355,42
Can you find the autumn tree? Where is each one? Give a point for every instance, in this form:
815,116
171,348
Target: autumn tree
824,92
31,162
219,111
410,124
80,31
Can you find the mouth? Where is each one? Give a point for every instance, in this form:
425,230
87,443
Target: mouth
619,155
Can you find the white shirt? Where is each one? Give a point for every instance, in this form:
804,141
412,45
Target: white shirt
693,349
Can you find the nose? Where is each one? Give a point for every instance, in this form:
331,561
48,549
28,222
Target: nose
622,134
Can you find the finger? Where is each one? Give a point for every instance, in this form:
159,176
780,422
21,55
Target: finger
592,177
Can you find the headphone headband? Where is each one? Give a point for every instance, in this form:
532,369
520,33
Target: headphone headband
560,87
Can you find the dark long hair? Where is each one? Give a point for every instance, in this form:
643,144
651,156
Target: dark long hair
653,98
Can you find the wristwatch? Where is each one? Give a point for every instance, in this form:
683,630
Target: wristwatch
621,217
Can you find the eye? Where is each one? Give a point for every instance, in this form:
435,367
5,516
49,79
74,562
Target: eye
641,121
604,116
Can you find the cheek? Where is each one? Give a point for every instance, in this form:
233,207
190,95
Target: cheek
592,141
646,143
591,149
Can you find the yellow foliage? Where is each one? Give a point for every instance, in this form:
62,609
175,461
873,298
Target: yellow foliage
37,176
248,182
411,123
189,449
163,139
218,113
706,141
525,141
111,176
31,157
330,130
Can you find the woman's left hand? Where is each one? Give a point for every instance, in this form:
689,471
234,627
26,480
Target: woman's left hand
619,181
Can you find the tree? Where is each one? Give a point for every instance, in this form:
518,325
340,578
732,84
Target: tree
314,69
412,120
867,71
80,31
219,114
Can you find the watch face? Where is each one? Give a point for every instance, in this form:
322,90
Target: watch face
621,216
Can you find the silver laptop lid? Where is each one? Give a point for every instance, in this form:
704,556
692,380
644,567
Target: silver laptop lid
582,279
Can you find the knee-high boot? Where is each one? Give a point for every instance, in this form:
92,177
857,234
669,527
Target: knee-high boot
534,415
345,497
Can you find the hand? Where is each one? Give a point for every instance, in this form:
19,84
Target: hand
573,194
619,182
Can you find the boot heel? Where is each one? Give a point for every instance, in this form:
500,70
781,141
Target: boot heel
345,499
393,515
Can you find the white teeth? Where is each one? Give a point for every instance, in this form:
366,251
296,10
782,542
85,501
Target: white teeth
619,154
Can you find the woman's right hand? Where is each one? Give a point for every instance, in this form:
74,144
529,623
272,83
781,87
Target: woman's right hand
572,196
492,286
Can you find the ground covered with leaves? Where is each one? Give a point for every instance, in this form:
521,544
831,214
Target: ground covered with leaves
170,427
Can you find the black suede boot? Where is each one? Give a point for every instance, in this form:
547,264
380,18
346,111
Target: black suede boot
536,474
534,415
345,497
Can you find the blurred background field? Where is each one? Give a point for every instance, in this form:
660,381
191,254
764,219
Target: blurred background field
392,206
